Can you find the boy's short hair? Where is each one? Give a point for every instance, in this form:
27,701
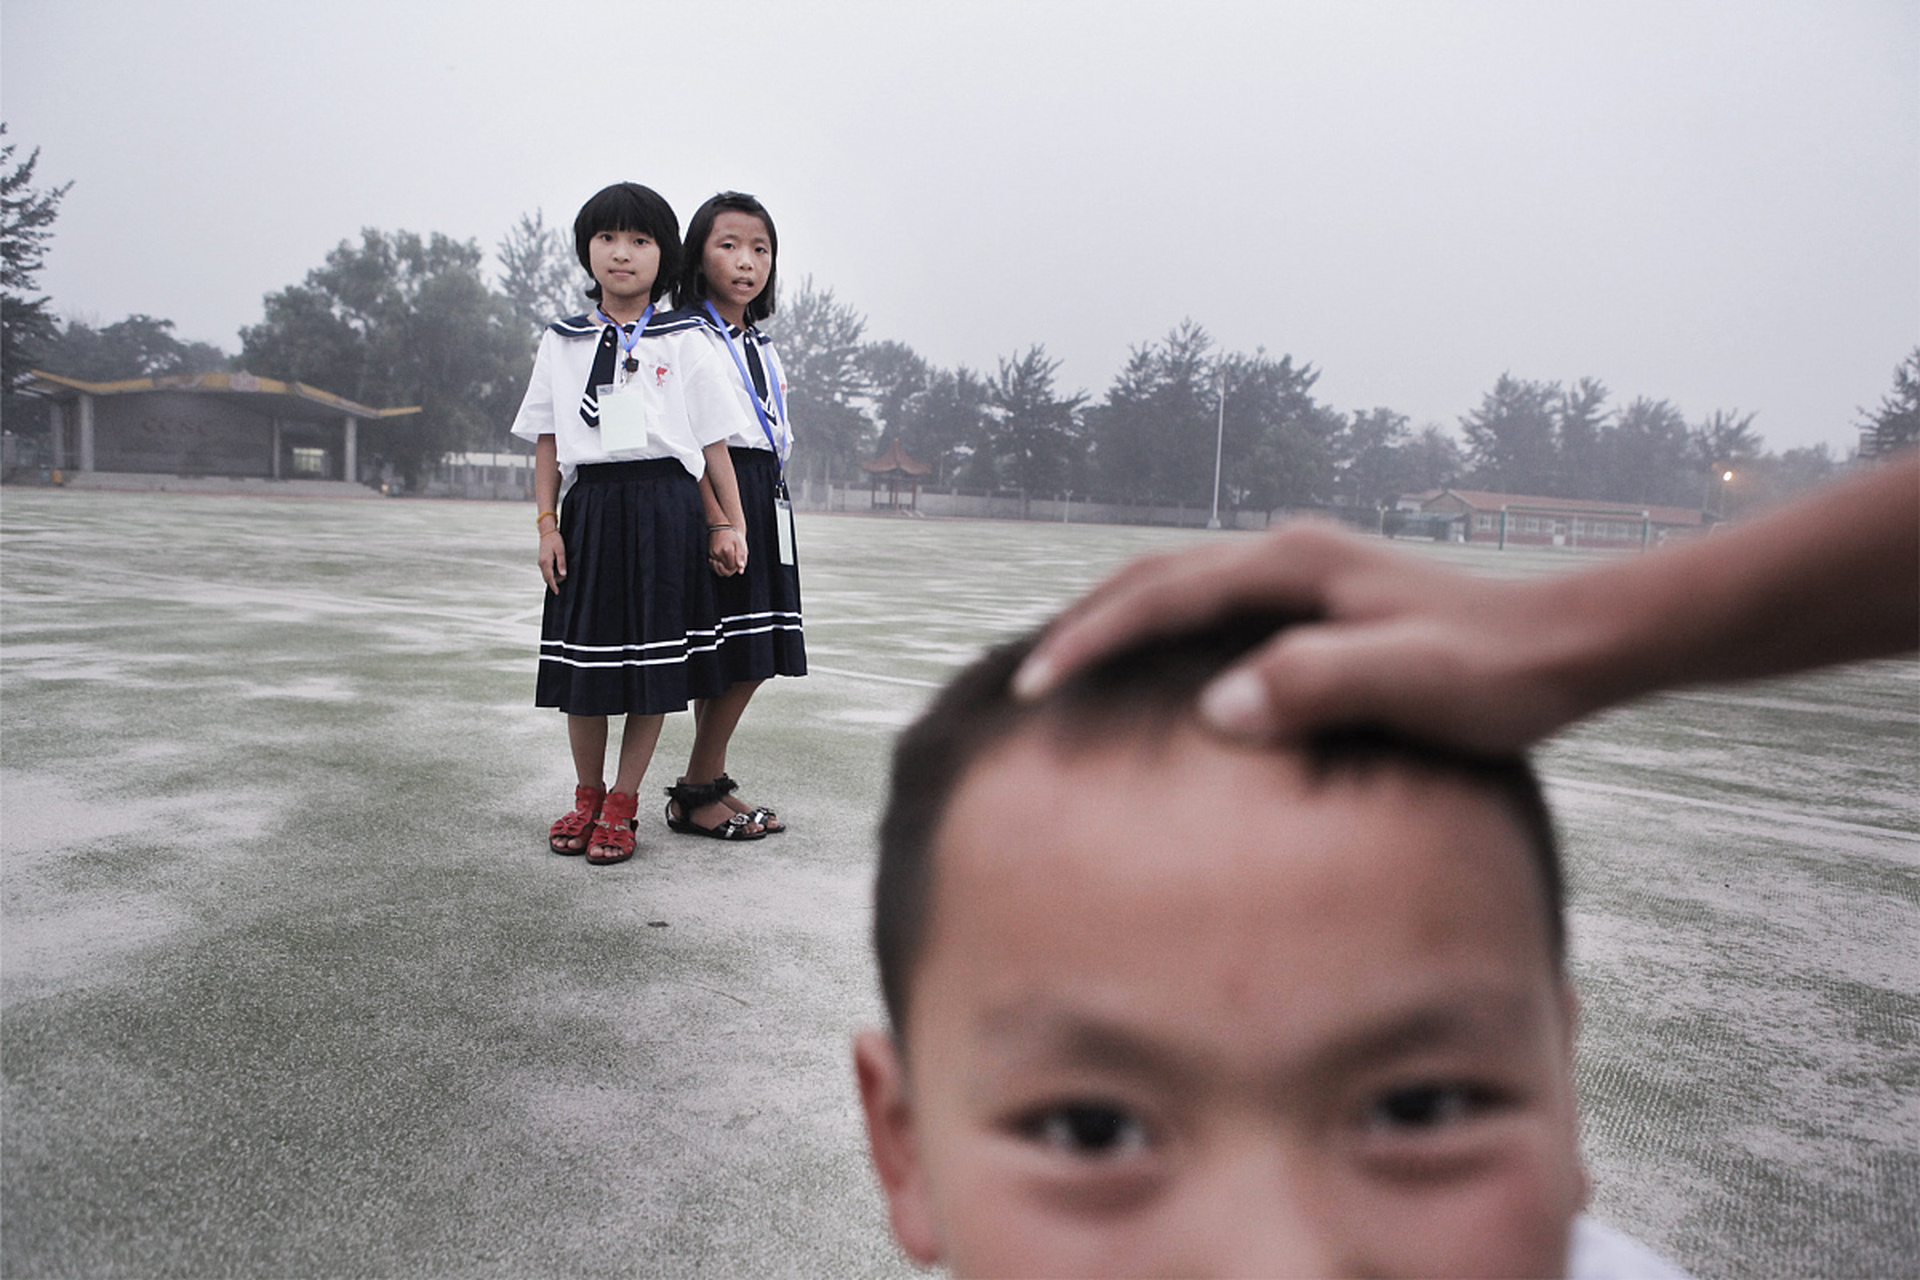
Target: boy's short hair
691,288
628,206
1140,694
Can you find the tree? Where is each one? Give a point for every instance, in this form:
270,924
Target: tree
26,218
1645,457
138,347
1895,424
1510,437
540,275
1034,435
937,415
819,340
1580,416
1434,460
1153,436
1723,439
401,320
1374,463
1278,443
948,426
1725,436
894,374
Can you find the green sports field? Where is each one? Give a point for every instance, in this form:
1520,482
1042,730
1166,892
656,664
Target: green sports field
291,985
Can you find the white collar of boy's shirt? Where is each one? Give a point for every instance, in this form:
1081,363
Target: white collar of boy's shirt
1601,1252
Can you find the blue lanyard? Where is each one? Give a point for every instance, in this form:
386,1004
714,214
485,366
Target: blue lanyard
626,345
773,385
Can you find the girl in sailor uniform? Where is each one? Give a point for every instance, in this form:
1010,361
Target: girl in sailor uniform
725,287
627,423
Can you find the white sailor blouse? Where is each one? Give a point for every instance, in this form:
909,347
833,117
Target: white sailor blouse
684,384
757,356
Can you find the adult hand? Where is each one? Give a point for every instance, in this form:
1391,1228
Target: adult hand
1496,663
1385,638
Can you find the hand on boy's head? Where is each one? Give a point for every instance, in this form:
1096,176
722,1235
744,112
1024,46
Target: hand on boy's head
1182,1007
1390,639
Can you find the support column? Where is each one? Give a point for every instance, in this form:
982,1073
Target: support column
57,420
86,432
350,452
275,471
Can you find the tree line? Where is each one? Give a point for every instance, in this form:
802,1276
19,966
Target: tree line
400,318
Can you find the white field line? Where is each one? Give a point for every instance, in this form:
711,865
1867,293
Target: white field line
237,593
813,669
1744,810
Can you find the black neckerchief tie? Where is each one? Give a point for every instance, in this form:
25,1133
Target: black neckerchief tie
602,375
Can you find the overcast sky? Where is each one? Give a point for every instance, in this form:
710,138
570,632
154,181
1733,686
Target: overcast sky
1717,204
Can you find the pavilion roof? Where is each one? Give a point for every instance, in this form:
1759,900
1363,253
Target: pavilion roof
896,462
296,397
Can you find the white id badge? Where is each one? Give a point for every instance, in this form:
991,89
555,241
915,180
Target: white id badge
623,420
783,521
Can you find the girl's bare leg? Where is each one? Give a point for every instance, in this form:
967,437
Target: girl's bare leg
636,751
587,739
714,720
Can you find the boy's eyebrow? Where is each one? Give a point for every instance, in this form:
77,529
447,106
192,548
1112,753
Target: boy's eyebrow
1489,1014
1060,1032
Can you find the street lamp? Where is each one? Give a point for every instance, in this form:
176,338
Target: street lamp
1219,440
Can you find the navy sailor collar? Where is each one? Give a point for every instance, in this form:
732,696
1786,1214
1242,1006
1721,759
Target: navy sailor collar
589,325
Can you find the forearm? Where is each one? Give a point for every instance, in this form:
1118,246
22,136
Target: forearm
546,477
1832,578
719,488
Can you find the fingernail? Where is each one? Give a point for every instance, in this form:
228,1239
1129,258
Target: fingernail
1032,678
1236,704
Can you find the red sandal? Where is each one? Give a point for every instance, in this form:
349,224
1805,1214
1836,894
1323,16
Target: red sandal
613,833
578,824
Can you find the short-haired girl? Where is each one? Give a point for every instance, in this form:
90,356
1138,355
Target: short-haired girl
625,423
727,283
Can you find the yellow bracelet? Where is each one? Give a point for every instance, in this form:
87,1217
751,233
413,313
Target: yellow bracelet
543,515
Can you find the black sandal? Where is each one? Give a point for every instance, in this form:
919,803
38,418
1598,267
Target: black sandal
697,795
760,816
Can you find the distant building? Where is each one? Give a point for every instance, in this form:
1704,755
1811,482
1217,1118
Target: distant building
499,476
212,424
1516,519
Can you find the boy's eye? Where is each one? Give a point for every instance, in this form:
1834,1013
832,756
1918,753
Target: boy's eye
1428,1106
1087,1130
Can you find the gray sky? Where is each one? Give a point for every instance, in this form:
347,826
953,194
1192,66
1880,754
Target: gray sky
1717,204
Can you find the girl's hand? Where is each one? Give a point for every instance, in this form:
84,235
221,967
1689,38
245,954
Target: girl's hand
727,552
553,559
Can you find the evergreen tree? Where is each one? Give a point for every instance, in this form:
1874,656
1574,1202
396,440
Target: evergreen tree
540,274
819,340
1579,419
1279,447
1895,425
1645,457
26,220
1510,437
1034,434
1154,435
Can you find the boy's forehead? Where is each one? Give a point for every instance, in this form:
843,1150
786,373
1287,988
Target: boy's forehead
1098,867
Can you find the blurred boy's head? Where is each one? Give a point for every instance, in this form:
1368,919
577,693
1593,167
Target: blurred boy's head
1162,1004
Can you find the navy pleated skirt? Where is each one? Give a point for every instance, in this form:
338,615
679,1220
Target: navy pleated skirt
760,632
634,628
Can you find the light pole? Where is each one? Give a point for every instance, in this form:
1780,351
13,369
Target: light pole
1219,440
